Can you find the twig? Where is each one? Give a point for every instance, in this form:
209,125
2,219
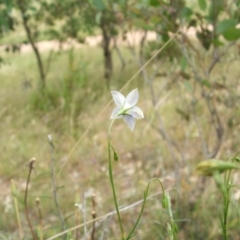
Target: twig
218,57
105,216
105,228
161,128
94,215
31,168
210,104
84,210
77,221
54,188
40,218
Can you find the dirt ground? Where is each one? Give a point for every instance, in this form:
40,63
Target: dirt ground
133,38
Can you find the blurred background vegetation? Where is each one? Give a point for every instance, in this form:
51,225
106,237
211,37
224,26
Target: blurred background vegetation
59,59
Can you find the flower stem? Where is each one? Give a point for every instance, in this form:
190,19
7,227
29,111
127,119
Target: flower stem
224,185
226,206
143,206
226,196
112,181
30,165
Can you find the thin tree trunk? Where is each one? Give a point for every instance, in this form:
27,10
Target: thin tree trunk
34,47
108,65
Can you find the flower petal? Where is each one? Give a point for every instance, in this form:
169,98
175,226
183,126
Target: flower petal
130,121
132,98
118,98
136,112
115,113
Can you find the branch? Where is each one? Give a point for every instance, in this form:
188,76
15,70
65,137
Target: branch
31,40
211,108
218,57
161,128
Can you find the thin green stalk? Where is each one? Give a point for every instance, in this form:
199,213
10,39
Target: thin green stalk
226,195
30,165
227,177
225,215
143,205
54,187
112,181
16,208
172,225
224,185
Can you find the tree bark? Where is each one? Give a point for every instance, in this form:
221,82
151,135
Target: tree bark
34,47
108,65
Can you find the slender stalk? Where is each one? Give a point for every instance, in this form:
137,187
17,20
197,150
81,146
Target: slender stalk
143,206
225,186
94,215
226,196
112,181
225,215
77,221
30,165
16,209
40,218
54,184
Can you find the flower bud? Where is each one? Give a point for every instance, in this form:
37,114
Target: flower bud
209,167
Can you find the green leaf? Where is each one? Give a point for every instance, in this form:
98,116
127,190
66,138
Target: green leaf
206,83
122,3
154,3
32,9
155,19
184,114
164,201
202,4
139,22
98,17
225,25
98,4
187,85
183,63
115,156
232,34
217,42
165,37
9,5
237,159
186,13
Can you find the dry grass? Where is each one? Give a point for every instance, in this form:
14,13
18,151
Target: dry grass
27,118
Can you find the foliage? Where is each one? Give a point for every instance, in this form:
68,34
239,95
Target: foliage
191,94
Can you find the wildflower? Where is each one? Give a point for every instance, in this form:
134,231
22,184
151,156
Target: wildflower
126,108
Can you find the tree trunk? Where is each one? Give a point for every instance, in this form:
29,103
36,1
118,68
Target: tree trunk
34,47
108,65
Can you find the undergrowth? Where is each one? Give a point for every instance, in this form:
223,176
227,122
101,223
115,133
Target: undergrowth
75,98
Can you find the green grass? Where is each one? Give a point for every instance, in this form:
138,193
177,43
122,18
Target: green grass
75,96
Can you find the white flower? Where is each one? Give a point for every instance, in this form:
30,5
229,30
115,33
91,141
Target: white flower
126,107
